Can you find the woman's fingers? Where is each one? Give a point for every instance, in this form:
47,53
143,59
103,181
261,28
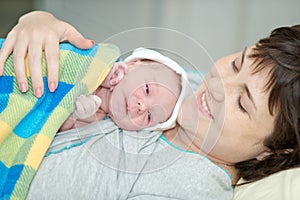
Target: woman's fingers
20,51
35,33
52,60
75,38
6,50
35,67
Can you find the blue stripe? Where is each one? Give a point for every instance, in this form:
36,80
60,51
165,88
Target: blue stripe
6,88
6,84
9,177
176,147
1,42
69,146
37,117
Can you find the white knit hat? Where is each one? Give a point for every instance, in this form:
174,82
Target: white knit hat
142,53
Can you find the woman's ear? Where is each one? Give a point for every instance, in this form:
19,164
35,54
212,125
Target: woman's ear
263,155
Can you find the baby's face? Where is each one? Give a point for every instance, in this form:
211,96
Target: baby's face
145,97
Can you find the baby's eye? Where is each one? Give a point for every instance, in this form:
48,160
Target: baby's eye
147,89
149,117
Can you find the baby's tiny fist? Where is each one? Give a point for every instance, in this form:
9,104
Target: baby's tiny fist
97,100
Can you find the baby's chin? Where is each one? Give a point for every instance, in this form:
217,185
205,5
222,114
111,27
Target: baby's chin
126,124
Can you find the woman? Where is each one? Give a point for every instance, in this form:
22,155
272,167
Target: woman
248,108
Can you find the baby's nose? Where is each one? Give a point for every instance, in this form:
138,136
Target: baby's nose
141,106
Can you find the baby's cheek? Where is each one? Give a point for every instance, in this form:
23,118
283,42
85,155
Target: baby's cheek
140,121
160,114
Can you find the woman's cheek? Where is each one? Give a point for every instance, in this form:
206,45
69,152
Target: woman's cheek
189,115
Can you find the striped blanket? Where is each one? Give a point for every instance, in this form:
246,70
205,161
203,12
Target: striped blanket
28,124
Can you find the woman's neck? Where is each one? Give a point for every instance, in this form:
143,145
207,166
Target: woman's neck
182,138
230,168
179,137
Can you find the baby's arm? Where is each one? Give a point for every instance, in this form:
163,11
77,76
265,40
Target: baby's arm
87,107
115,75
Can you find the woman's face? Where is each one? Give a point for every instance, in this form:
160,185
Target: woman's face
230,110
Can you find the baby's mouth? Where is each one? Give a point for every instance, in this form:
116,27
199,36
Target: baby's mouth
126,106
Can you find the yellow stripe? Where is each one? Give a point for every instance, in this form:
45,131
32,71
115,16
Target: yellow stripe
95,75
5,129
100,66
37,151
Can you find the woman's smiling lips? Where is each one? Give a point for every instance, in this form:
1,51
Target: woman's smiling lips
203,105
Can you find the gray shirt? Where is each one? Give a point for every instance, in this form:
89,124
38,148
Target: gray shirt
102,161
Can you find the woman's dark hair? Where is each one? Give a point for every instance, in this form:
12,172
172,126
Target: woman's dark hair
280,52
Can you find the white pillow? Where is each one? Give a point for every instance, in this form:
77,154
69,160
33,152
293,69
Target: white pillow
284,185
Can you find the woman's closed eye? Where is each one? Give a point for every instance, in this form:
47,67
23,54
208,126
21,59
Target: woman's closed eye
240,106
236,70
237,63
234,66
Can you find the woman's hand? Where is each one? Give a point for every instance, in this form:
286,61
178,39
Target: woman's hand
36,32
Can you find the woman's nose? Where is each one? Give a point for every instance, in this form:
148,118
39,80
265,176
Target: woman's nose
141,106
215,85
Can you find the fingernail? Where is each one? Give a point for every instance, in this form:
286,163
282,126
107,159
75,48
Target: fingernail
23,87
38,92
93,42
52,87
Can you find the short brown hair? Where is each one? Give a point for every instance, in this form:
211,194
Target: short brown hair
280,52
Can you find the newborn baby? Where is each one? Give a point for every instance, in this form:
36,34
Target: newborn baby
144,91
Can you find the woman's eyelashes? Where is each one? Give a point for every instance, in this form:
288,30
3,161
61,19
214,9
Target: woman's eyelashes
240,106
236,69
234,66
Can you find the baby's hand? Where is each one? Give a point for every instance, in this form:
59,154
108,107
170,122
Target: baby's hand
115,75
86,106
